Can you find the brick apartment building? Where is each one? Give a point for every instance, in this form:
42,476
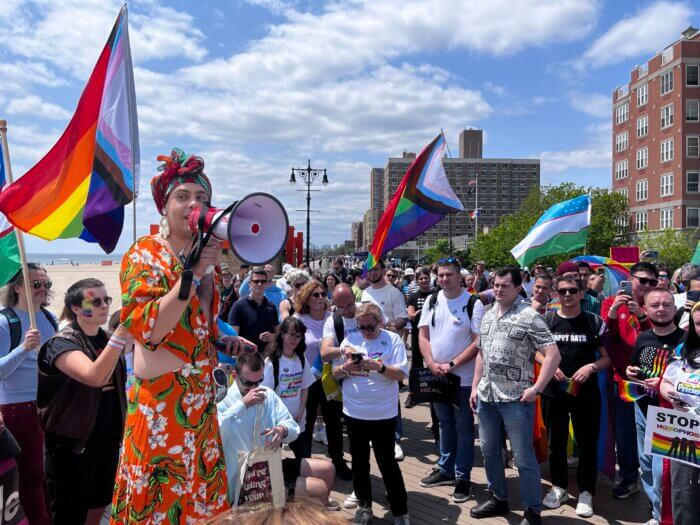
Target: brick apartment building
502,185
656,138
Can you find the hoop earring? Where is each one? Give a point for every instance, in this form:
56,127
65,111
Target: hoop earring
164,227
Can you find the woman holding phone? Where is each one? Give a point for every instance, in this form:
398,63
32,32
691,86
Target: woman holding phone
373,362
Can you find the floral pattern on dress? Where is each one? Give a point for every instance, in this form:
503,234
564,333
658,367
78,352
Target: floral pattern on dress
171,467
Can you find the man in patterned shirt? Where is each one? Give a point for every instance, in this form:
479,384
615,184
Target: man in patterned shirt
504,386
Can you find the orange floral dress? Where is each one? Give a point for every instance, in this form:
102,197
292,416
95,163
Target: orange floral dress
171,468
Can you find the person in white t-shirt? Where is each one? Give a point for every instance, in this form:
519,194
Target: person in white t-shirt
373,362
289,374
448,347
393,306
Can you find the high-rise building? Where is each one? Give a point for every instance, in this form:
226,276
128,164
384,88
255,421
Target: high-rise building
656,138
471,143
499,184
357,235
376,189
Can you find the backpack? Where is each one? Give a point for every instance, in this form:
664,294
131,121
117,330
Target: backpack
276,368
15,325
470,305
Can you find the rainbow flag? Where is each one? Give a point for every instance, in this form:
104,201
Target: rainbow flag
569,386
422,199
9,251
630,391
80,187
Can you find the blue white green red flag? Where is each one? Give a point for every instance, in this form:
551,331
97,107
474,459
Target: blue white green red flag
561,229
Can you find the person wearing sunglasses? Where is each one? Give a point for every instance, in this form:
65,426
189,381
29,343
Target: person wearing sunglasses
254,316
571,269
626,318
296,279
248,400
19,345
372,363
578,335
81,397
272,292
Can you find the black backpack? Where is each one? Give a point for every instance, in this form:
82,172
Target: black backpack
15,325
470,305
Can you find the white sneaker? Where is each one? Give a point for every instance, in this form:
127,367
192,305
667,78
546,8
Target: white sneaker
351,501
398,452
320,434
555,497
652,521
584,508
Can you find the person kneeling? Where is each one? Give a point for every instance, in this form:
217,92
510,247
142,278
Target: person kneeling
237,412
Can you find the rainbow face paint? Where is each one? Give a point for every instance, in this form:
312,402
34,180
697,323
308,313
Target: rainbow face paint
86,304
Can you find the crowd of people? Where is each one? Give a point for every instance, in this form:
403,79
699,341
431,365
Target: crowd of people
317,356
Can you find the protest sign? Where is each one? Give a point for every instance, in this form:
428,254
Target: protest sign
673,434
425,387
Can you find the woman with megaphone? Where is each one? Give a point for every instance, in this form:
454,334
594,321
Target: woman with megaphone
172,462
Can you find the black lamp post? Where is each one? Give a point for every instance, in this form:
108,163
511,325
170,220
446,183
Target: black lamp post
309,175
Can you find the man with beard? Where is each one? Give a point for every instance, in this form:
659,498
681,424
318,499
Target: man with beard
19,345
652,352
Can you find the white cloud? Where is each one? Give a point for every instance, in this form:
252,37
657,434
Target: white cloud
496,89
542,100
595,154
34,106
593,104
648,31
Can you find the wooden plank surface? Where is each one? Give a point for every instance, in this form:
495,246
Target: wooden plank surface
435,505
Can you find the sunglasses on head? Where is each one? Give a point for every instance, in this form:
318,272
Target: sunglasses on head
97,301
644,280
366,327
567,291
250,384
38,284
258,281
449,260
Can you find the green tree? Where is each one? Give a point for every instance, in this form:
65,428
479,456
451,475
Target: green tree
607,208
675,247
440,249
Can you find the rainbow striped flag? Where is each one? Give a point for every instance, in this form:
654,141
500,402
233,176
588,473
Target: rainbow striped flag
80,187
630,391
569,386
422,199
9,251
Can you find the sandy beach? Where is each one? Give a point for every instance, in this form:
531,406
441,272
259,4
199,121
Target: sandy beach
64,275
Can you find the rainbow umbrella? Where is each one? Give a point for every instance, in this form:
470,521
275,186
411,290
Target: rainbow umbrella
615,272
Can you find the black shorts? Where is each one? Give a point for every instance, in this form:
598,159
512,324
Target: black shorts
291,469
79,482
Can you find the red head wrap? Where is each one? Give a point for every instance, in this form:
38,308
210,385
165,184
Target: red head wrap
177,169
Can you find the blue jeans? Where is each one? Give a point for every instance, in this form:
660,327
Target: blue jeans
626,441
456,437
652,466
518,419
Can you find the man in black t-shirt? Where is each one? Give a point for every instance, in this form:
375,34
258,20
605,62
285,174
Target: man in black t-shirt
574,393
651,354
255,317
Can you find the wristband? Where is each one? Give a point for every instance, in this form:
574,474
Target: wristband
452,364
118,339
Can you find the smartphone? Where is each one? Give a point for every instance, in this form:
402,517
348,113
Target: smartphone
221,346
626,287
693,295
356,357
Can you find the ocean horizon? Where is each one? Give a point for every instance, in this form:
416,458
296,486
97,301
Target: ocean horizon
48,259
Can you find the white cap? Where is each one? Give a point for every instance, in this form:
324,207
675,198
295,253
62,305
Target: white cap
409,271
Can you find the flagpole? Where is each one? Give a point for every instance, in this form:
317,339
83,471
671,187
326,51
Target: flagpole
449,216
133,202
18,232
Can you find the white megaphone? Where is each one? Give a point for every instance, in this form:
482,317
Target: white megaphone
256,227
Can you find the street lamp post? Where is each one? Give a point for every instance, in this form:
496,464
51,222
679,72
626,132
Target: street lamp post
308,175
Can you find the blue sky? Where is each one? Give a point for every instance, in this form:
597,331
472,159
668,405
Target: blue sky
257,86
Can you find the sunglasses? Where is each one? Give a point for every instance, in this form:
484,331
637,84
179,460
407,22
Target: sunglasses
38,284
567,291
644,280
258,281
663,276
97,301
293,335
366,327
250,384
317,295
220,383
